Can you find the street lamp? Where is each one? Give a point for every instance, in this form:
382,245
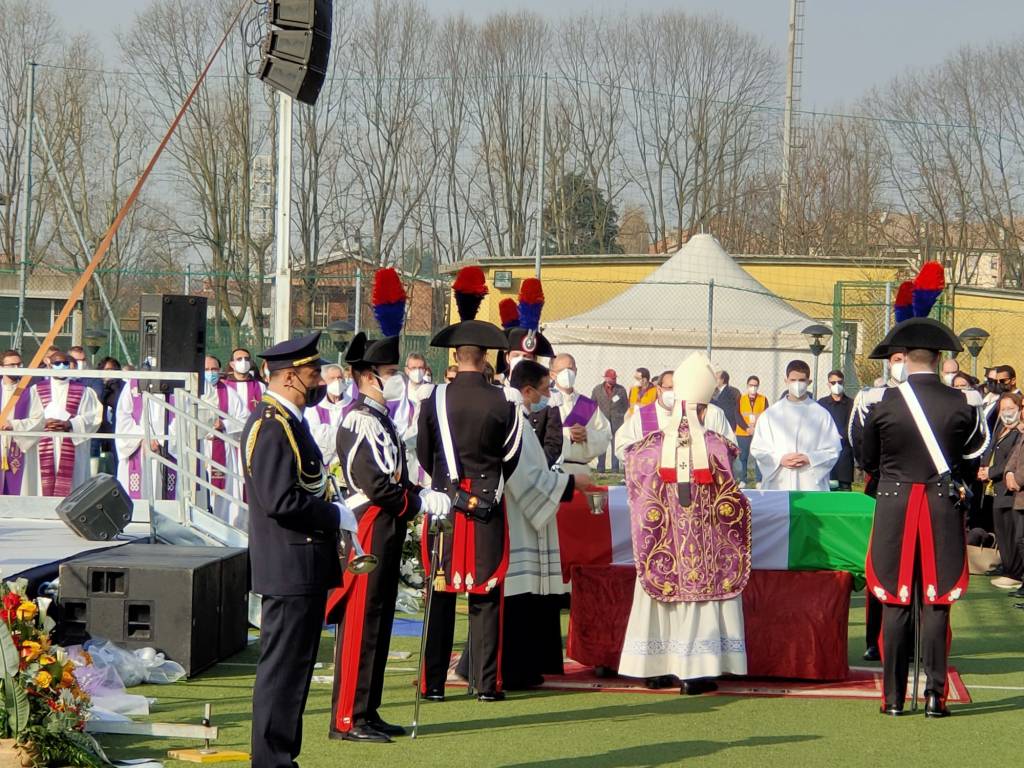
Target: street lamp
974,339
816,334
93,340
341,332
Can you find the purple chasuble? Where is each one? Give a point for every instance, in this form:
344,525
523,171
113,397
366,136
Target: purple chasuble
13,466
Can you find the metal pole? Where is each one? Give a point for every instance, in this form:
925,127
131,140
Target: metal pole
711,312
359,299
26,210
787,130
540,173
283,273
886,324
86,251
188,279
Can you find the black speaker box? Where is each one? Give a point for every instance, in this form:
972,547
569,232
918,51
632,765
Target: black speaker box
297,48
98,509
191,603
172,336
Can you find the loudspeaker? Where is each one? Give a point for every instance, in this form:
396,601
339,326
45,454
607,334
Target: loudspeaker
297,48
191,603
98,509
172,336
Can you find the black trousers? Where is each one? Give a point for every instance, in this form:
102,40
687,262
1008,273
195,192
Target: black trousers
1004,527
898,648
484,646
289,641
872,620
364,632
1013,560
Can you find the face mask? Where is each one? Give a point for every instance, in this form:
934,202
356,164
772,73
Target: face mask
80,365
211,377
836,389
948,378
1005,386
1010,417
798,388
334,388
428,379
242,366
898,372
539,406
566,378
751,391
416,375
394,387
668,399
991,386
315,394
60,367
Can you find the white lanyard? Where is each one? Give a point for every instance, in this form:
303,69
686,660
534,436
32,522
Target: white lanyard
941,466
446,434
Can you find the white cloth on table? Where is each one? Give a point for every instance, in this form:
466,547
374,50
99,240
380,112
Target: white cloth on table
688,640
800,426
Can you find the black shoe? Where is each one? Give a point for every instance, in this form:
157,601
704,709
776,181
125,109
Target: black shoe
604,672
697,687
933,706
659,682
1019,592
996,570
434,694
386,728
1019,605
365,733
872,654
892,710
492,696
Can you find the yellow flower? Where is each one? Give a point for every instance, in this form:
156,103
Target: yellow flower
30,650
46,660
44,679
27,611
67,680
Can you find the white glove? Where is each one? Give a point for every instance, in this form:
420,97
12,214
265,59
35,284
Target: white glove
435,503
346,519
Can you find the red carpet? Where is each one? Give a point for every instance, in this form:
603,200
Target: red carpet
863,683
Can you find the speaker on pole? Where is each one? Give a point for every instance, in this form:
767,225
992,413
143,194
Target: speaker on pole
296,50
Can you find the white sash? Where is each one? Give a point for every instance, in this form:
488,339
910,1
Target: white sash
446,434
924,428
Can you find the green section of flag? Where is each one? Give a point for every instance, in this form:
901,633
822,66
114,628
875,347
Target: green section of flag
830,531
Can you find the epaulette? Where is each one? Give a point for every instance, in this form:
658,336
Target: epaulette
271,411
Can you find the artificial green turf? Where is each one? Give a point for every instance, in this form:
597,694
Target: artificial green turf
610,730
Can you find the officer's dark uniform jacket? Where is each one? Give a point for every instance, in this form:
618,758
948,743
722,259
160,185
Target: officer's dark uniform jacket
486,431
293,528
547,425
913,503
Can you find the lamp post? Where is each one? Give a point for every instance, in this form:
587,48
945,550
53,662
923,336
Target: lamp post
816,334
974,339
93,339
341,332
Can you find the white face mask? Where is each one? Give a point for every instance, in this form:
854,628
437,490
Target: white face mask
836,389
751,391
416,375
334,389
427,378
798,388
668,399
1010,417
394,387
948,378
566,378
242,366
898,372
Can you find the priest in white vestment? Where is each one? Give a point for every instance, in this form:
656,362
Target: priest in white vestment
691,538
62,464
226,399
26,416
796,442
325,417
586,433
130,419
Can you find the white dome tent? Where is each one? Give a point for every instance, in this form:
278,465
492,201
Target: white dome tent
656,322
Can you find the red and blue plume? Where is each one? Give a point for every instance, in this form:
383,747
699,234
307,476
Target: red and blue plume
388,300
928,286
509,313
531,302
470,287
904,306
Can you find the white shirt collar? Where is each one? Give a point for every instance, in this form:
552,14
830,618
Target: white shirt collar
288,405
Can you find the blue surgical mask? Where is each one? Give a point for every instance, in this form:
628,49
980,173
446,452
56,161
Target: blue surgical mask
540,405
211,377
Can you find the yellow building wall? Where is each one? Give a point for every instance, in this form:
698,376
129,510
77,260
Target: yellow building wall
1003,318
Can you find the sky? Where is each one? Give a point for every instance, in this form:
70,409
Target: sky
849,45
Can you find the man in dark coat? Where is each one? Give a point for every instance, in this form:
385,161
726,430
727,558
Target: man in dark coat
840,406
293,546
727,397
917,555
613,400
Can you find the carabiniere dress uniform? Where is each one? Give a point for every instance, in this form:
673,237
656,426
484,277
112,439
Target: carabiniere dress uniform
384,500
293,553
918,540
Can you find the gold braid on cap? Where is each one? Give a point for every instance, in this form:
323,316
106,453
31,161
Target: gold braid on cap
305,360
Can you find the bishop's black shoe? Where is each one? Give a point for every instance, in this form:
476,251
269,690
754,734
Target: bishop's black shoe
386,728
697,687
659,682
491,696
366,733
872,654
933,706
892,710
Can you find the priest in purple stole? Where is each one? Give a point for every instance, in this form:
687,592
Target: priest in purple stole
129,420
26,417
691,544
